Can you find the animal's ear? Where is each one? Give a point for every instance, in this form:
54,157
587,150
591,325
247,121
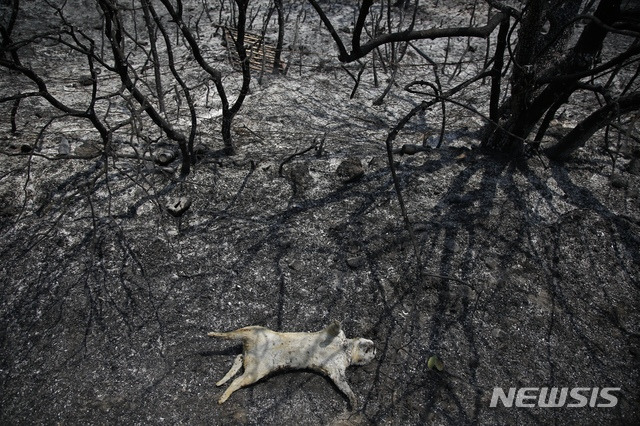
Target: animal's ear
333,329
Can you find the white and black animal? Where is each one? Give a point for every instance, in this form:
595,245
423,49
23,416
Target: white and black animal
265,351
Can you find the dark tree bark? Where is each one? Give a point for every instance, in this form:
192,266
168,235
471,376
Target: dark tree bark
496,71
579,135
7,23
531,100
277,61
229,113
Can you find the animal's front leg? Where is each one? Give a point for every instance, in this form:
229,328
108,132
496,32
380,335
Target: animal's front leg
237,364
340,380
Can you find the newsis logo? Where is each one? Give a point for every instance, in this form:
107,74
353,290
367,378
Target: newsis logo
555,397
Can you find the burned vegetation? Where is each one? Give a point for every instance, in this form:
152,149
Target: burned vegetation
455,181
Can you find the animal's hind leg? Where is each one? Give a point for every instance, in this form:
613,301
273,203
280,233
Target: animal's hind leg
244,380
237,364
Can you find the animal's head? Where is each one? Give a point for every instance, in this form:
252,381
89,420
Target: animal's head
363,351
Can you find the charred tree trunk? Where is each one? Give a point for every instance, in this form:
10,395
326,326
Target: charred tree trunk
530,100
496,72
229,113
113,31
281,21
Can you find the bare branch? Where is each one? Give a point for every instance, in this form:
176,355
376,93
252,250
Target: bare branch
580,134
361,50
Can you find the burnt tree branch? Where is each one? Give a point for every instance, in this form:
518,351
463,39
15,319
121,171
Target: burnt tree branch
603,116
359,50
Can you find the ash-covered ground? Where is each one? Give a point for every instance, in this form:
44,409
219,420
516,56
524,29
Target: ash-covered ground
528,273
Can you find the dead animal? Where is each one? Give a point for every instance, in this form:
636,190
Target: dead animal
265,351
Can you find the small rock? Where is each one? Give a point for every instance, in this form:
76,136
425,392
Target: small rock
6,211
164,157
200,151
296,265
498,334
350,170
634,166
356,262
178,206
167,170
459,199
301,178
88,150
353,249
420,227
491,262
64,148
85,80
411,149
619,182
378,162
451,246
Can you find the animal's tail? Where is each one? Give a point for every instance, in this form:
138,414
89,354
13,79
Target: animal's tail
238,334
227,335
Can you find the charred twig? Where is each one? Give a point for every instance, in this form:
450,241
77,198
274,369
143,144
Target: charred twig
356,79
438,90
297,154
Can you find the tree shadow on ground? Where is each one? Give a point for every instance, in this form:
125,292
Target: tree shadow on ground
529,279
